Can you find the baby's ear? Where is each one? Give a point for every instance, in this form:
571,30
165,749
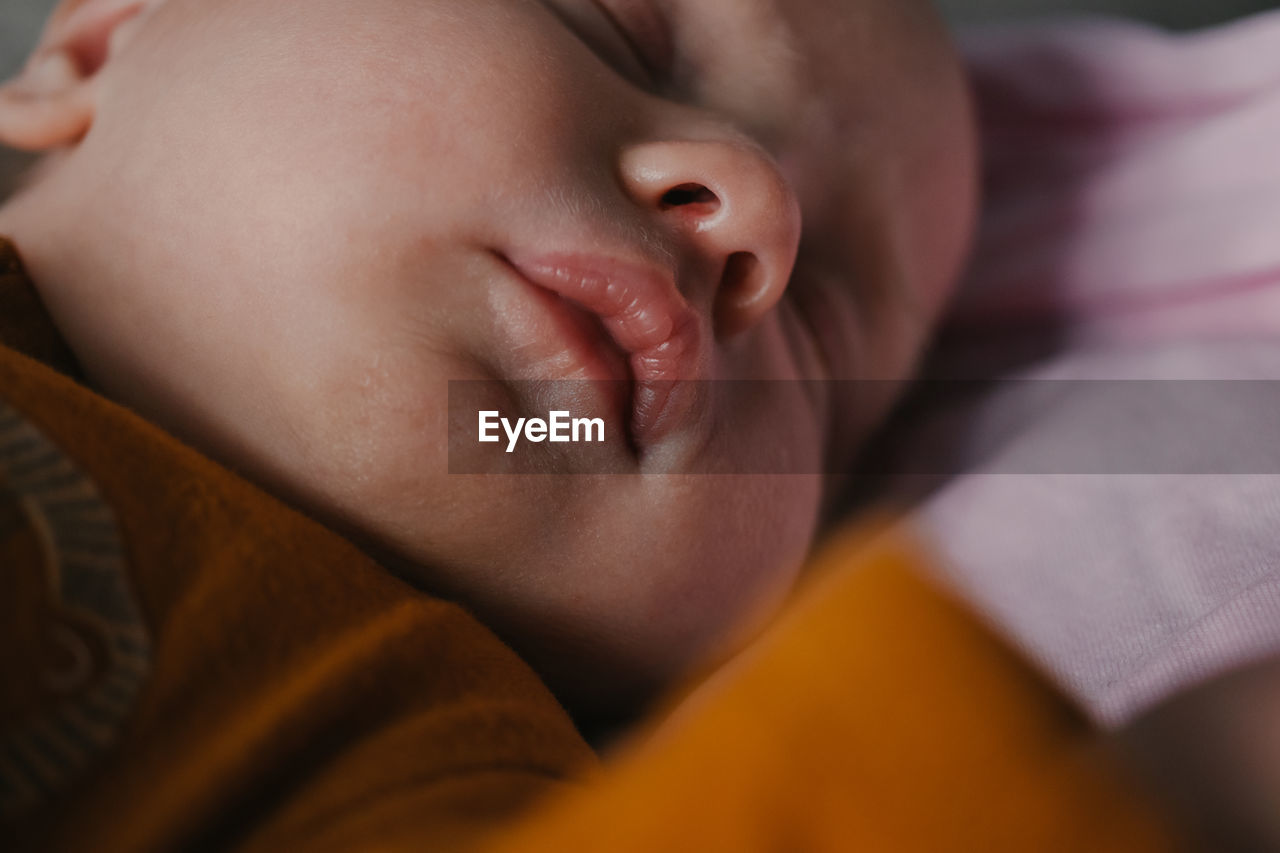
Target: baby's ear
51,102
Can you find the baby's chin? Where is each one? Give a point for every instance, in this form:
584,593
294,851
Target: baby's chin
621,588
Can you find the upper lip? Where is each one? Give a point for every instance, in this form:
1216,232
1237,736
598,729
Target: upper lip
645,317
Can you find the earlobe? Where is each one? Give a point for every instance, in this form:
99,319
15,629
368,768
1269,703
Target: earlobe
50,104
46,106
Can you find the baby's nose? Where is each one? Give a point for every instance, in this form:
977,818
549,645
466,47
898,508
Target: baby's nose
731,205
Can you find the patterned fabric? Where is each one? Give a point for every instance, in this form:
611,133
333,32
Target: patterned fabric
83,650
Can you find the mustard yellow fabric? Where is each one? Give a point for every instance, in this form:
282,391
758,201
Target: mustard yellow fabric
188,664
877,715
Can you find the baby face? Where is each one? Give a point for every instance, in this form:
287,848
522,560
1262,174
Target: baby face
295,223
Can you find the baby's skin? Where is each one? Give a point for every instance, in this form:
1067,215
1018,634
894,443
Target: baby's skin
278,229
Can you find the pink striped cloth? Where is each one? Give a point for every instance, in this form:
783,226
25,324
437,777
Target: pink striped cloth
1131,232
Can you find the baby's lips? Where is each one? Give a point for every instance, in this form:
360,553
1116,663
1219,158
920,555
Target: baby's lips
646,316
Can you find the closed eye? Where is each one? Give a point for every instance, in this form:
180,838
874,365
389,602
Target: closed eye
592,25
645,32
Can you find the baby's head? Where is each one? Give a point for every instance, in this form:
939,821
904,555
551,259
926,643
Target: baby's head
279,229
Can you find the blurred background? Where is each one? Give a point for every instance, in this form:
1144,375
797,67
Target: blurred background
20,22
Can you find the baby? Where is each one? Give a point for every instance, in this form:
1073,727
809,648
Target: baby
279,230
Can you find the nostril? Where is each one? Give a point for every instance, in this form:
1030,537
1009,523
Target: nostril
686,195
